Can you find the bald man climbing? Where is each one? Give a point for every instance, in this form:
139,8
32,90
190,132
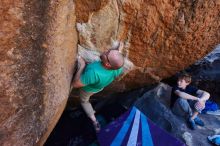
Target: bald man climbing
92,78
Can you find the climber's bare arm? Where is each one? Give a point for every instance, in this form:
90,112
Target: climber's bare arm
77,84
76,81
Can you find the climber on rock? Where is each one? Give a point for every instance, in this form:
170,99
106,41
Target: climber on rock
188,101
92,78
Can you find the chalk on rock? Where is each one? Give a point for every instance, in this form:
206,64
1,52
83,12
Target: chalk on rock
115,44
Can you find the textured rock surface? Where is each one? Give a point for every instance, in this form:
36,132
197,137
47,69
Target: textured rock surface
161,37
38,48
36,63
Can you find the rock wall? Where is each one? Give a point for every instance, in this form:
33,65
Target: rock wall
161,37
38,46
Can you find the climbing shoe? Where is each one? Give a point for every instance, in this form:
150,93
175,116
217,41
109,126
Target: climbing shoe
191,124
198,121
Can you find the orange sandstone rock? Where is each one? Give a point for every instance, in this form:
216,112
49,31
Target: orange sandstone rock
161,37
38,46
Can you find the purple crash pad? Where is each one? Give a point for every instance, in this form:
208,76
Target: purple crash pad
135,129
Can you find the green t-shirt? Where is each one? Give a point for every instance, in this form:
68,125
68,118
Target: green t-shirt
95,77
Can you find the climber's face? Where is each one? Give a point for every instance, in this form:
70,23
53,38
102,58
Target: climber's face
105,55
105,58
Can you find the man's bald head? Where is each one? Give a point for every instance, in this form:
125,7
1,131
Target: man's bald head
112,59
116,59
